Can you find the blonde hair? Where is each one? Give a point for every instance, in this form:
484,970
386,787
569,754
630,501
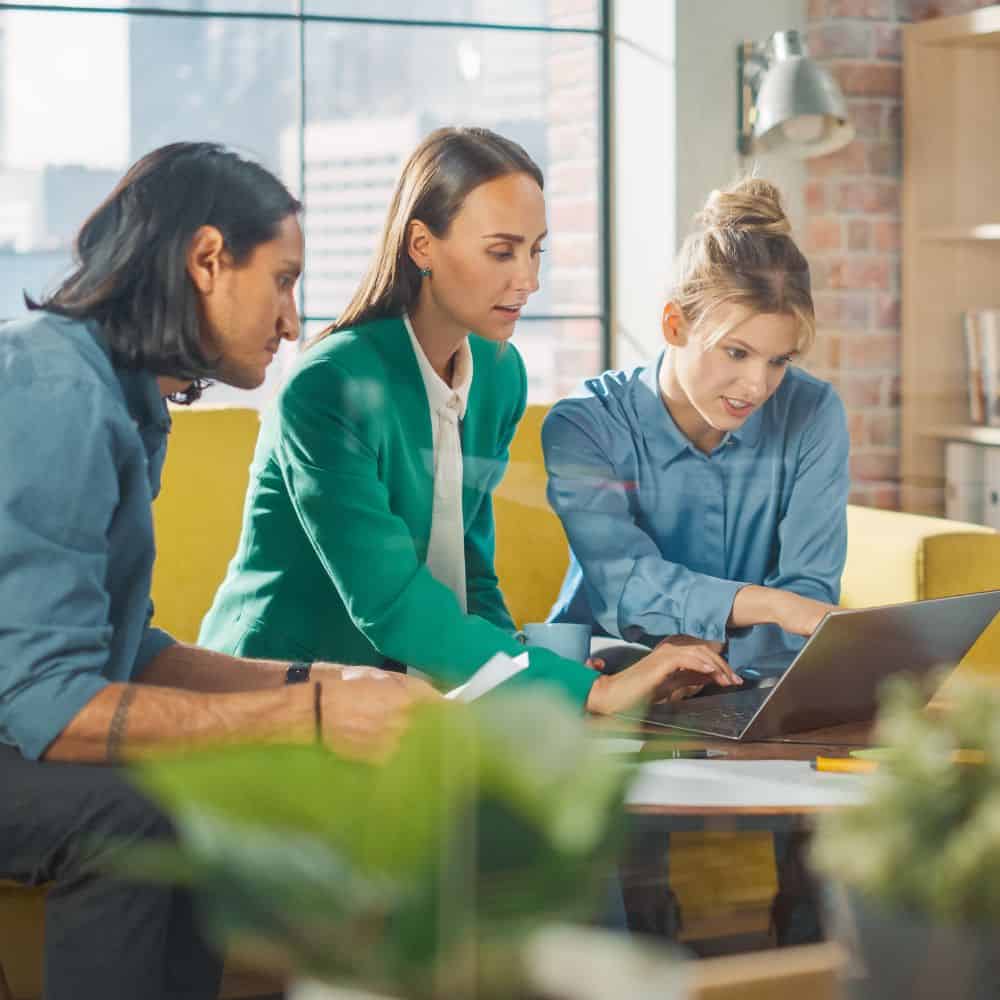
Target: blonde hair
744,255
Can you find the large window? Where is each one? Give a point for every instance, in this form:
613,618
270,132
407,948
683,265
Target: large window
332,95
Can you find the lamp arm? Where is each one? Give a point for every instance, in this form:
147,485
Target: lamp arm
751,61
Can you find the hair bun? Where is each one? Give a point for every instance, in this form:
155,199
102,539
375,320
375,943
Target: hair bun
752,205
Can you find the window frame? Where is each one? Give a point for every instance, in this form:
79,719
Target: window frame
602,32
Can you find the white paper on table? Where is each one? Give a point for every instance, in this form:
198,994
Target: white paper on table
743,783
498,668
619,744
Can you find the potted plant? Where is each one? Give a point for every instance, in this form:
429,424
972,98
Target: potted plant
916,868
438,872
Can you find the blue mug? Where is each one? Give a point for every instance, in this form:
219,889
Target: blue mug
565,638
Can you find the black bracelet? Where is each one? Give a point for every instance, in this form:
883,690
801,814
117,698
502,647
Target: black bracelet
298,672
318,710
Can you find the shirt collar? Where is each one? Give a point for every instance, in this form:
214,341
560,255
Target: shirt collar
142,397
664,436
439,393
141,391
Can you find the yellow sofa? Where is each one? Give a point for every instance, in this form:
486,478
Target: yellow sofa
891,557
198,513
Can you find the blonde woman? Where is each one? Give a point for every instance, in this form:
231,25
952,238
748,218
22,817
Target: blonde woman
368,534
704,495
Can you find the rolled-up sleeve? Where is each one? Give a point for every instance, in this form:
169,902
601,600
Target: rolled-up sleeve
633,590
58,492
694,603
153,642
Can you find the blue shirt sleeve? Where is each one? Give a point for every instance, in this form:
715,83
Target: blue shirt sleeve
812,532
56,502
152,643
633,591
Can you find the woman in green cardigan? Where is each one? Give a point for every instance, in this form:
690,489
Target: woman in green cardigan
368,530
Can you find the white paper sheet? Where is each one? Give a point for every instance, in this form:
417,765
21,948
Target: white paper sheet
742,784
619,744
491,674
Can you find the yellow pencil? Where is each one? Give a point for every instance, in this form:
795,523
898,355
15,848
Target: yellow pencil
850,765
844,765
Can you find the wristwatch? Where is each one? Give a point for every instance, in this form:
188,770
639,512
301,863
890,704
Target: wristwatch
298,672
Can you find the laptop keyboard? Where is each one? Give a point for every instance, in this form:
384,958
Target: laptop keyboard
726,715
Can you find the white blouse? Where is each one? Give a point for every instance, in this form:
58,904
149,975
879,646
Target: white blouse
446,548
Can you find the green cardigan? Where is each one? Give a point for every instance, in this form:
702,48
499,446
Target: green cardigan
331,559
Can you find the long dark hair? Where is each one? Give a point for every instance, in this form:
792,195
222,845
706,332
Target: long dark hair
130,271
438,176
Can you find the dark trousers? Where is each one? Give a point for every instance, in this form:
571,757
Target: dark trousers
105,938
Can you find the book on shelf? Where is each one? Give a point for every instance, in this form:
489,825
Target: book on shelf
981,330
974,367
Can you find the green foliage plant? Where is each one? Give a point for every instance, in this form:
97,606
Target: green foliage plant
421,876
927,839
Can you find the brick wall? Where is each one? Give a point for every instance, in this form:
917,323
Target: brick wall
852,233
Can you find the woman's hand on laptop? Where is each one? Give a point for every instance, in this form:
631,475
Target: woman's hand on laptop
800,615
680,693
664,674
755,605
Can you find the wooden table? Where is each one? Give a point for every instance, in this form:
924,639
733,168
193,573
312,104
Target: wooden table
642,865
833,741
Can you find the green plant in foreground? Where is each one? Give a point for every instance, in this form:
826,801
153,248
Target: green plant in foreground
424,874
927,839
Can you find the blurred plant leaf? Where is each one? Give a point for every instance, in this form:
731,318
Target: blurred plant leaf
417,873
928,838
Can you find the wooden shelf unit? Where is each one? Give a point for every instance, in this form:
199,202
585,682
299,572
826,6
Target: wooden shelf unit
957,234
965,433
951,232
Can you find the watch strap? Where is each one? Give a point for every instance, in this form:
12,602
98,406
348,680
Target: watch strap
298,672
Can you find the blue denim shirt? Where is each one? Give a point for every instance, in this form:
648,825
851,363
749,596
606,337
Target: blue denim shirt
82,446
663,535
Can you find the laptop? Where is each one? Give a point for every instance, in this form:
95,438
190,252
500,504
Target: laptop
835,677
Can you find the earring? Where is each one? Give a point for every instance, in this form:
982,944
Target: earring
425,272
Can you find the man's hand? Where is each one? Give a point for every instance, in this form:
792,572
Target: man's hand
365,711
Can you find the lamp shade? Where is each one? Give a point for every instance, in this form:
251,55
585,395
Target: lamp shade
800,109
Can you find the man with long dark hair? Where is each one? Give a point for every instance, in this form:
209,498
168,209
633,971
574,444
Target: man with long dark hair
185,273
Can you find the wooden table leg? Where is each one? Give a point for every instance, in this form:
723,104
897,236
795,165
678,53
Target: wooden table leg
5,993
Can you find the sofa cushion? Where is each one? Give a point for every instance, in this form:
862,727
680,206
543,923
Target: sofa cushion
885,555
532,551
199,511
962,563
